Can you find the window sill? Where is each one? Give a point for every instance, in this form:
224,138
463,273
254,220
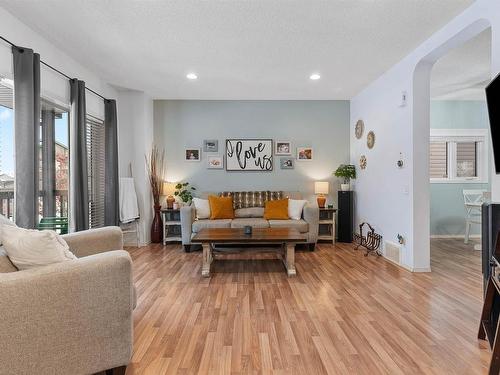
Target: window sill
459,181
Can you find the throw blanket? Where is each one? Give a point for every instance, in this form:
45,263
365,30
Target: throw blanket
129,210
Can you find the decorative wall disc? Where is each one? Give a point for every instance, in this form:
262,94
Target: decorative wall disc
362,162
358,130
370,139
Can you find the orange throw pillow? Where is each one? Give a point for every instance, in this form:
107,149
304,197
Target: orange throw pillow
276,210
221,207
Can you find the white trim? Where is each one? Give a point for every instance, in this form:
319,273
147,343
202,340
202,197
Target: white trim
407,268
397,264
459,132
58,103
423,269
455,236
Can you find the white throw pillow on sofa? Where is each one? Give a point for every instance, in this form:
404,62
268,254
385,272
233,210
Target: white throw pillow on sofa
5,221
202,207
295,207
32,248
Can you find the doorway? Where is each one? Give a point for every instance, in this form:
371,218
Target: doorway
459,152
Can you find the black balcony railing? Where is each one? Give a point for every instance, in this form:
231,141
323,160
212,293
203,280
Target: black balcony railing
7,203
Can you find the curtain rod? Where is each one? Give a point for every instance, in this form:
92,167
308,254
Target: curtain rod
54,69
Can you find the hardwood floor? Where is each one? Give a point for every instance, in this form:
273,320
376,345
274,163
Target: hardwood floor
342,314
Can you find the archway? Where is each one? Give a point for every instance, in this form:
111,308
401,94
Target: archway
420,214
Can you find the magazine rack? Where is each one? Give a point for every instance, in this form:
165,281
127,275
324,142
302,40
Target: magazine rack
371,242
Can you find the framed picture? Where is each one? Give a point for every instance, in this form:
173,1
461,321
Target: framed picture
210,145
304,153
254,155
192,154
283,148
286,163
370,139
215,162
359,129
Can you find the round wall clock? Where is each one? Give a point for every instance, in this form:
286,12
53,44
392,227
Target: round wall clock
370,139
362,162
358,130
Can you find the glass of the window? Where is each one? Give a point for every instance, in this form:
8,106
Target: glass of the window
7,176
438,160
466,159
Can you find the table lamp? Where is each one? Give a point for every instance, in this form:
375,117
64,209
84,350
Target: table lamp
321,189
168,189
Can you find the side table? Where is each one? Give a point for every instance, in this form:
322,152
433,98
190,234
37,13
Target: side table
171,225
327,221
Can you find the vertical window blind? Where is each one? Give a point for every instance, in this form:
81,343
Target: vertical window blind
438,160
466,159
95,149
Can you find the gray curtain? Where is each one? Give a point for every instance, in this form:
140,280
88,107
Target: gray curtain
26,135
78,187
111,212
48,162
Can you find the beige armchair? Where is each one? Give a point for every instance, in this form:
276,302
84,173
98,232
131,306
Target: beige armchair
73,317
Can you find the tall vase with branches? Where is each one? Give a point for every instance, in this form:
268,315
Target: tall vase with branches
155,165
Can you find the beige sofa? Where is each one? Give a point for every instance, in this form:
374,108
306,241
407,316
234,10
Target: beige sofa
73,317
253,216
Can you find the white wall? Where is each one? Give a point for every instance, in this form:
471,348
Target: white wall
135,137
135,109
54,86
397,200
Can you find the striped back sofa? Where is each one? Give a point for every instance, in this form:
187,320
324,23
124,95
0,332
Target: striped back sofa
249,210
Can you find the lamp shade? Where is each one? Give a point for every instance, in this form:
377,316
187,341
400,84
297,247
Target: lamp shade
168,188
321,187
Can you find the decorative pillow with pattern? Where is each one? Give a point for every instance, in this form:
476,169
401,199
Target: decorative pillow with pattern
249,199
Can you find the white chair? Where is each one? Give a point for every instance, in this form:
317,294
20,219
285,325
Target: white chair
473,200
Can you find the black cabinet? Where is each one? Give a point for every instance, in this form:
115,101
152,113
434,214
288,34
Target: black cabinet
490,234
345,216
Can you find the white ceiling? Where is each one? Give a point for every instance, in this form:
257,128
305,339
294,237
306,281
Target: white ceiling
463,73
263,49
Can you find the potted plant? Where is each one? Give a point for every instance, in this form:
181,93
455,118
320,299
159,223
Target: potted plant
346,172
184,191
155,165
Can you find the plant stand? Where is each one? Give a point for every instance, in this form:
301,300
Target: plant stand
371,242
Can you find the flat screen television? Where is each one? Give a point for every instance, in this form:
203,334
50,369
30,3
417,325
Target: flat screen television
493,101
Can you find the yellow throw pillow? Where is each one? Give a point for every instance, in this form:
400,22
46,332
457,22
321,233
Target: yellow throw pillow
221,207
276,210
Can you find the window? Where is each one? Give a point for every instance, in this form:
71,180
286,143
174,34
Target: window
458,155
54,160
95,150
6,148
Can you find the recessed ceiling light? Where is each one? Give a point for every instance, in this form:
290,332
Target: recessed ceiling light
191,76
314,76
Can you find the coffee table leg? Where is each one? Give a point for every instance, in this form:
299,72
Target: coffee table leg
290,259
207,259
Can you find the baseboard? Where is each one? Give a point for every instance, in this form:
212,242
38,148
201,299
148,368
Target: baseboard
397,264
407,268
454,236
134,244
422,269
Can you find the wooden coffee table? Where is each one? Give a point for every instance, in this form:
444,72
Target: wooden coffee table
286,237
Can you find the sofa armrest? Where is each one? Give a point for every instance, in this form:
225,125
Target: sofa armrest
310,214
188,215
94,241
73,317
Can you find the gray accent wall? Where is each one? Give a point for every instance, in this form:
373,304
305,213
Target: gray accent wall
323,125
447,204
